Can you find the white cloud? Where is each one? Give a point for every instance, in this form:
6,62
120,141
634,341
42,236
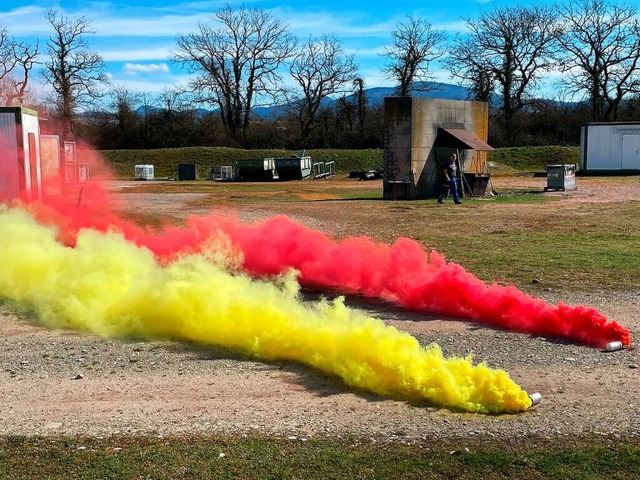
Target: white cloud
456,26
135,68
366,52
152,86
156,53
147,26
345,25
25,21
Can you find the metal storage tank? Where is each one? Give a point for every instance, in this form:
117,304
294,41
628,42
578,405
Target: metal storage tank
20,169
610,147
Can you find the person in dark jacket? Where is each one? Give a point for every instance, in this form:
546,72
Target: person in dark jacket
449,173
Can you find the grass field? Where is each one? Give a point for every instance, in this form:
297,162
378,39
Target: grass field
534,241
165,161
584,247
263,458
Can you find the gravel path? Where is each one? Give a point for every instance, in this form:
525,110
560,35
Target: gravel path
69,383
60,382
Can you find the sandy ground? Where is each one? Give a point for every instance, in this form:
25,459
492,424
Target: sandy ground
69,383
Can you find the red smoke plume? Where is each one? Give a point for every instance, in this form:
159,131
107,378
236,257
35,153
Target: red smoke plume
402,273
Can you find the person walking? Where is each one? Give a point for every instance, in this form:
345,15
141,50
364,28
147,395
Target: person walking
449,173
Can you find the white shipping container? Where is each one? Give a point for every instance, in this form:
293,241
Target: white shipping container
610,147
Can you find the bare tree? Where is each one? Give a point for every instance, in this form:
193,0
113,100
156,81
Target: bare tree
320,68
482,85
237,62
601,49
171,101
415,45
509,46
17,59
8,59
362,103
123,105
73,71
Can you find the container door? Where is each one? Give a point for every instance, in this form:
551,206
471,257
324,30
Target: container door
33,165
630,152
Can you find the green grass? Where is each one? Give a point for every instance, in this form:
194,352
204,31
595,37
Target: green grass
166,160
532,240
531,159
320,458
535,246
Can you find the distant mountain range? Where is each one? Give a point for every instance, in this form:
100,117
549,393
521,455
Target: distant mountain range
375,97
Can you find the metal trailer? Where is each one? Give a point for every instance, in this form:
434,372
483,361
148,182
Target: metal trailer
20,169
610,148
144,172
293,168
256,170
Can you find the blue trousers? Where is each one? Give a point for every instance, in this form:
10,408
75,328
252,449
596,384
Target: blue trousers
452,187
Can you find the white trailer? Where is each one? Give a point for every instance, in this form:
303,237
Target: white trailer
610,147
143,172
20,170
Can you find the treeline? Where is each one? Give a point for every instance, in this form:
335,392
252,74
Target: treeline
146,128
543,122
239,60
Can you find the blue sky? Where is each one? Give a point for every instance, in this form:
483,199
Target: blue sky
136,37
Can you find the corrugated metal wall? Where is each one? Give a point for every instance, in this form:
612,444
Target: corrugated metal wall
611,147
9,177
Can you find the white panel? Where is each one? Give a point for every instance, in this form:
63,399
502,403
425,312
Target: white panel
604,147
9,177
630,152
31,124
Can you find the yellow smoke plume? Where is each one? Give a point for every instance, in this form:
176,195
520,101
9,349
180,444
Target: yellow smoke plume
111,287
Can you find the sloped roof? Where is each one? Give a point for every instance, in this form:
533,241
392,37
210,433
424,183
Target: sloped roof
466,138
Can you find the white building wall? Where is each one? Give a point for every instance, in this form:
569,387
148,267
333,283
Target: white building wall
611,147
30,124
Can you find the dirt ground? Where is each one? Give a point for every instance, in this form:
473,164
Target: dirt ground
69,383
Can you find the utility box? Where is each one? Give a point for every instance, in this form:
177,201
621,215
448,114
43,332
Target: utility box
144,172
187,171
20,169
476,183
561,177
